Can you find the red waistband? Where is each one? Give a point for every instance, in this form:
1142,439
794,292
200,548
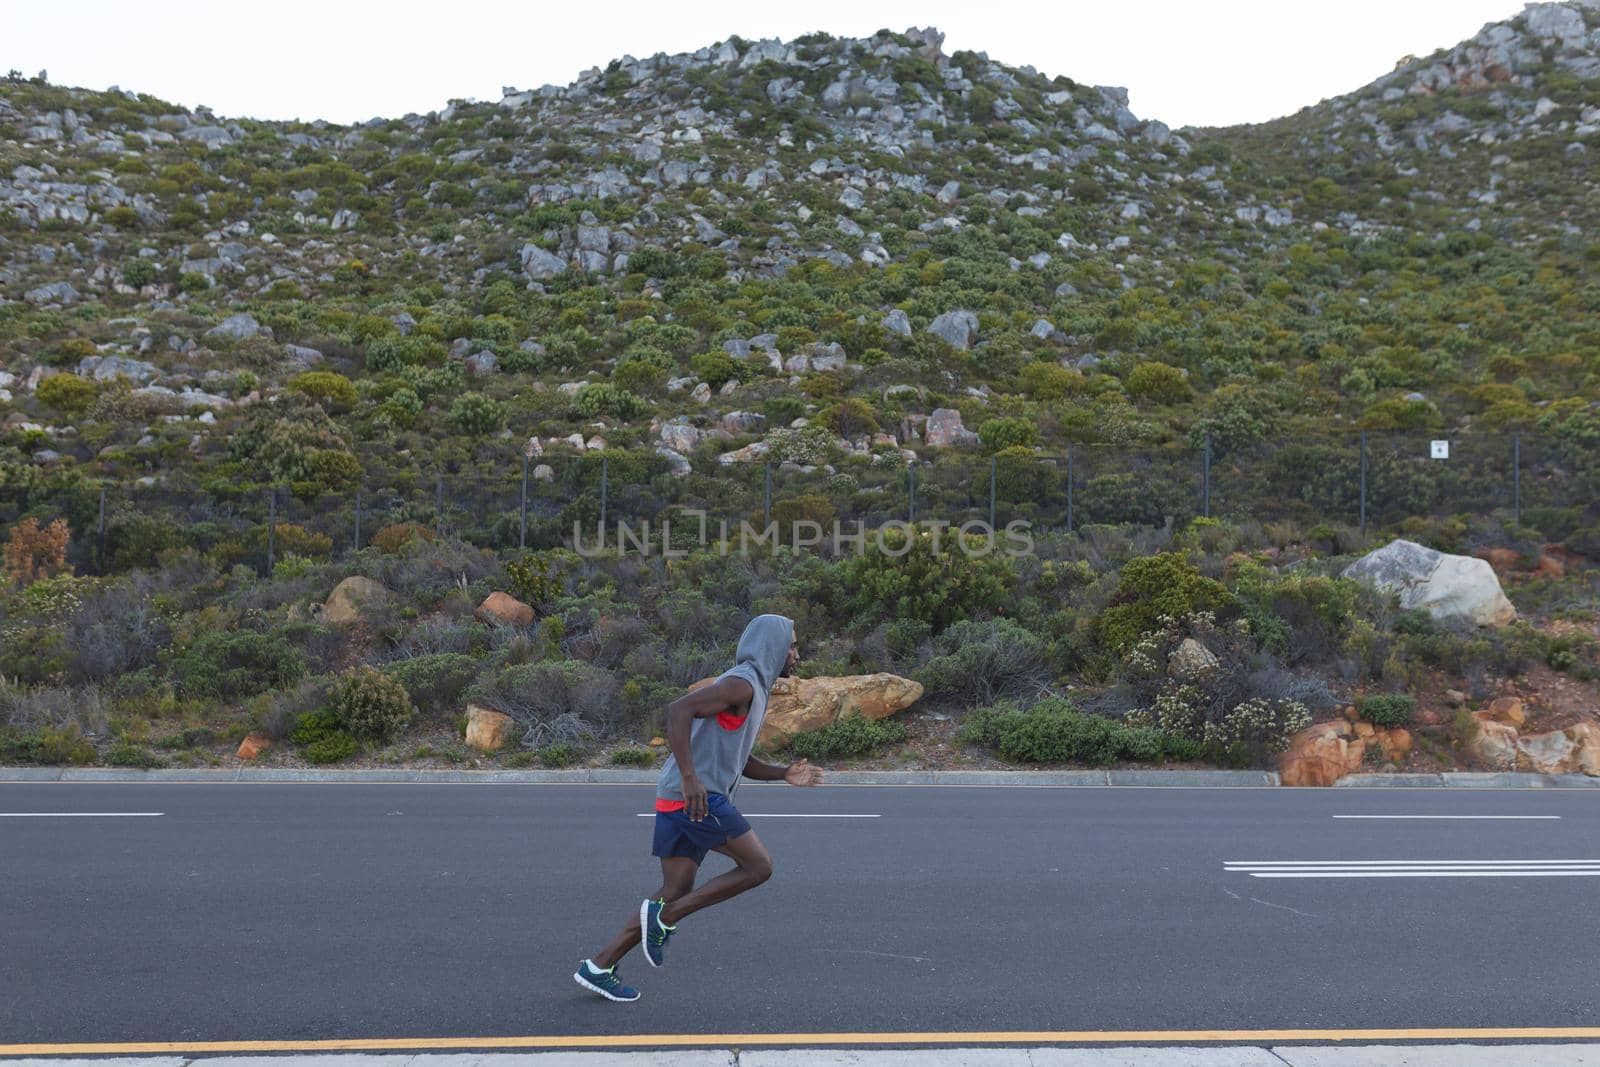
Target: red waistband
669,805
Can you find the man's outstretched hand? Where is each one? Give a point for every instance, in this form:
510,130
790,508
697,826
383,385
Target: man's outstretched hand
802,773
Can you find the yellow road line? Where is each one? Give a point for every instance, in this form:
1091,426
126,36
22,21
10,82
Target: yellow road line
1002,1037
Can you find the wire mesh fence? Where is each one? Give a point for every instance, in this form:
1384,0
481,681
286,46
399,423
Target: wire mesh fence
1357,480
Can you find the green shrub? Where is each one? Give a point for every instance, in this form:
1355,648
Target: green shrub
603,398
854,735
334,747
477,415
1151,587
333,391
313,726
905,578
192,737
49,745
370,704
982,662
633,757
560,754
236,664
999,434
1158,383
1389,709
139,272
128,755
435,682
66,393
1051,731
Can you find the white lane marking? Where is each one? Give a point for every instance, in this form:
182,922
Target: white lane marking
779,815
80,814
1416,868
1526,872
1447,816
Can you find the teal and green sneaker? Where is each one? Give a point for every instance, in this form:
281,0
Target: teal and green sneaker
605,982
653,933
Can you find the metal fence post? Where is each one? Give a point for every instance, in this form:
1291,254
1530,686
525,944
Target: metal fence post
100,552
1363,484
522,522
355,543
604,474
438,507
1205,480
766,499
1069,489
272,527
1516,476
994,467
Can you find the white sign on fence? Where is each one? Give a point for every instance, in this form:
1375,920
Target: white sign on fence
1440,450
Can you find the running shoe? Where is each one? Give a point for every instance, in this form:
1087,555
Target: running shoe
607,983
653,933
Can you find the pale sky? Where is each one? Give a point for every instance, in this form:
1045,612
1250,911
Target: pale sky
1185,62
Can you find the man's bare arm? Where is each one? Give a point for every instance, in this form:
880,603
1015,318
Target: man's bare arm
702,703
799,772
763,772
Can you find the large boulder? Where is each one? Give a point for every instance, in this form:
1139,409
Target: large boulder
1191,661
959,327
488,730
1450,588
944,428
352,598
1321,754
1496,745
503,608
800,704
240,327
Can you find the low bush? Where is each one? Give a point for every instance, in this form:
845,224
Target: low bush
982,662
633,757
1163,585
435,683
233,665
560,754
1389,709
48,745
370,704
1054,731
129,755
854,735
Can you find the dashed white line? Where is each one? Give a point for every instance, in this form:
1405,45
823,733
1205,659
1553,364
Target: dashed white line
79,814
1447,816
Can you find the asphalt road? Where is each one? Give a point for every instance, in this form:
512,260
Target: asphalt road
247,911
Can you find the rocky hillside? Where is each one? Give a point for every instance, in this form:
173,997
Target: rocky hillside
885,281
857,233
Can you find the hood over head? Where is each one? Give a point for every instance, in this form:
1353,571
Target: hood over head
763,650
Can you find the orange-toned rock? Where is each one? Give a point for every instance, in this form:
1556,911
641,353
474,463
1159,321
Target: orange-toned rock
1364,729
1354,752
1496,745
799,704
1396,744
1428,716
1547,753
1508,710
488,730
253,745
657,742
504,608
1317,755
1350,712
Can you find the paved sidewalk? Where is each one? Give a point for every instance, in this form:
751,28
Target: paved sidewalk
610,776
1458,1055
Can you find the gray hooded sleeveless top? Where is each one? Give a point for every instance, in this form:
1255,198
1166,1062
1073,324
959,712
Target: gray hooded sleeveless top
721,744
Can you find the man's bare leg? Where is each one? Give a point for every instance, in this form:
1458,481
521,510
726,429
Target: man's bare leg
754,867
677,878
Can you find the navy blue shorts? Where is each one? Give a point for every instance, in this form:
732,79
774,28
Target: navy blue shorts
676,835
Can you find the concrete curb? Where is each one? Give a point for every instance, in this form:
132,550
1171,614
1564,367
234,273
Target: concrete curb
619,776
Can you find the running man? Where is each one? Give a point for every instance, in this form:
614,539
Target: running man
711,732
